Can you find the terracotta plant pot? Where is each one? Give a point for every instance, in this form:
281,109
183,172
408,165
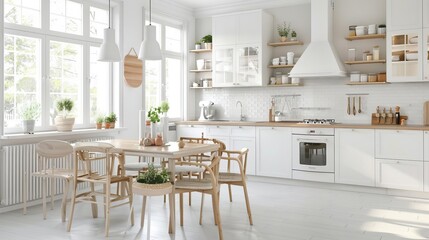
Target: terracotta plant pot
107,125
99,125
64,124
283,39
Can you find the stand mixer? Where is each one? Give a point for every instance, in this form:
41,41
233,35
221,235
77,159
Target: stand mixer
207,111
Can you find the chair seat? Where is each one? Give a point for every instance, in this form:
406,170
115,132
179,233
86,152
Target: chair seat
186,169
194,184
57,172
139,166
229,177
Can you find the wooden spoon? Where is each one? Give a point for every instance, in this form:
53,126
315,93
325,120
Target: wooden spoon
354,106
360,108
348,105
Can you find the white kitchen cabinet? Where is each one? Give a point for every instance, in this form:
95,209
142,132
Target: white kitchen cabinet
274,148
425,45
426,176
239,142
354,156
398,174
404,14
426,148
190,131
239,53
405,56
399,144
425,14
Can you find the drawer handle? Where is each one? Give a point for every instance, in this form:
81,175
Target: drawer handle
398,162
217,126
240,127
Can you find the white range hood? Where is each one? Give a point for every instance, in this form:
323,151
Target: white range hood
320,58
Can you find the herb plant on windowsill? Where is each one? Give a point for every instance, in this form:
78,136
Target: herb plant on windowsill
29,114
64,122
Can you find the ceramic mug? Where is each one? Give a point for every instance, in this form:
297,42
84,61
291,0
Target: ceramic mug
276,61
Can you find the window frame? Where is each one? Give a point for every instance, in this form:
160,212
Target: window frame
164,21
46,35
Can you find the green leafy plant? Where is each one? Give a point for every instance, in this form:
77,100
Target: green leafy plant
154,112
99,119
207,39
153,176
64,106
113,117
198,43
293,34
108,119
283,29
30,111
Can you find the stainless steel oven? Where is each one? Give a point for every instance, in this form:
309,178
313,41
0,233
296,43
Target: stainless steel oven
313,154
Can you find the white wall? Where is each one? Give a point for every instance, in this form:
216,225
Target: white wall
133,25
329,94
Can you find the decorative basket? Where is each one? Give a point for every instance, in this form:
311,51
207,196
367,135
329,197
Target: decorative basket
152,189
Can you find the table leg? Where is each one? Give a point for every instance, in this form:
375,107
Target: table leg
172,199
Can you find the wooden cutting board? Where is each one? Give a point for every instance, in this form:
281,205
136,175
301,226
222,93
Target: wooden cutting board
133,69
426,113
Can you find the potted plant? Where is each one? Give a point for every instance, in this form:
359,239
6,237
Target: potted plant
63,121
113,118
153,182
207,40
293,36
197,45
29,114
107,122
99,122
153,115
283,30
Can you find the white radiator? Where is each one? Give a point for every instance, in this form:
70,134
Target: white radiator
21,159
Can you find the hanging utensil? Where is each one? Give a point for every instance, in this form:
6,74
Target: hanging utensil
348,105
360,105
354,106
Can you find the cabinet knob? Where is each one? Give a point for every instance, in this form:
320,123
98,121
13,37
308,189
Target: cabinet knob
240,127
217,126
272,128
397,162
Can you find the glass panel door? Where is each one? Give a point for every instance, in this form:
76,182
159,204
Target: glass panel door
248,70
223,66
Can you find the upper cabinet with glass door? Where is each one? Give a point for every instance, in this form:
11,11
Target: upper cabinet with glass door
223,70
404,63
248,71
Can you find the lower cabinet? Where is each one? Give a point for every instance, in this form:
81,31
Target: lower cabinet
426,146
273,149
399,174
426,174
354,157
237,143
190,131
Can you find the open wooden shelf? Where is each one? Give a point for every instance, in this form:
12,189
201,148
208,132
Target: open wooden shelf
281,66
285,85
197,71
290,43
363,37
201,87
365,62
200,50
367,83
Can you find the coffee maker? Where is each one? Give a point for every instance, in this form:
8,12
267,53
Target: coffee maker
207,111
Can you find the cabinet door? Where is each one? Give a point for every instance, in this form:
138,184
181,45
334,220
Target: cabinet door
237,143
223,66
426,177
404,14
425,44
249,25
426,147
399,144
248,69
404,56
354,156
425,14
224,29
407,175
273,148
220,133
190,131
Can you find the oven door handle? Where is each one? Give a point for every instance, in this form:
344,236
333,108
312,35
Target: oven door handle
312,140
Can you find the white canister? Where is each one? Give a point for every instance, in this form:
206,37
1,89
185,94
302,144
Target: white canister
285,79
372,29
290,56
295,80
376,53
364,77
200,64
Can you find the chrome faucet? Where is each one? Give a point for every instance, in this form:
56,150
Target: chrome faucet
242,117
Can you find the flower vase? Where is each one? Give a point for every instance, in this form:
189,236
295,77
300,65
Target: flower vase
153,130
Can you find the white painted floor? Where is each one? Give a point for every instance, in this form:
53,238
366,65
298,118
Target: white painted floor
279,212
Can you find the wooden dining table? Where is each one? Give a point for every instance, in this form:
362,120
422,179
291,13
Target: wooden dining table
170,151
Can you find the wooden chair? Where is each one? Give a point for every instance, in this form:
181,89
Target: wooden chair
205,185
48,154
239,159
89,153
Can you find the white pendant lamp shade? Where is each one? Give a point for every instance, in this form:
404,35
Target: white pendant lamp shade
149,49
109,51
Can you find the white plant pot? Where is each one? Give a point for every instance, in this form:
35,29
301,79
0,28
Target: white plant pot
64,124
28,126
200,64
207,45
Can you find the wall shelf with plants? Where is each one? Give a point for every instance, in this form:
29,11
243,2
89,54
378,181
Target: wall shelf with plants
201,51
365,62
365,37
288,43
281,66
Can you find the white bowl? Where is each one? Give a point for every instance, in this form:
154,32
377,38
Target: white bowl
412,56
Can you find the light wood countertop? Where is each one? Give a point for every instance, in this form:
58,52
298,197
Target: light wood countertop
296,124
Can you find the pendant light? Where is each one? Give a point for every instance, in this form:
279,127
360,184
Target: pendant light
149,48
109,51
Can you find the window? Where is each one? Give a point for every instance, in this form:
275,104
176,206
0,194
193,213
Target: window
164,79
47,61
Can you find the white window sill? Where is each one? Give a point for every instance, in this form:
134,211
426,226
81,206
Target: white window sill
36,135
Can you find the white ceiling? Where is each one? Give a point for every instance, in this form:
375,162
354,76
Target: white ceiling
207,3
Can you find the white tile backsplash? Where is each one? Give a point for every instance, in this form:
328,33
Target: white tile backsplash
321,98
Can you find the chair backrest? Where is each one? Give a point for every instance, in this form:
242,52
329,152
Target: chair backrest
203,140
49,152
238,156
